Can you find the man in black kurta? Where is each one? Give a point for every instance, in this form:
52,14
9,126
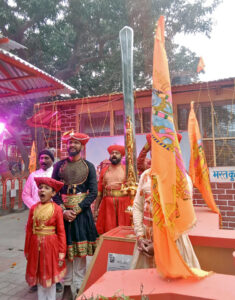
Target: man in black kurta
75,198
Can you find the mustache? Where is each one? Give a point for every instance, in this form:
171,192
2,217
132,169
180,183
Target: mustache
73,152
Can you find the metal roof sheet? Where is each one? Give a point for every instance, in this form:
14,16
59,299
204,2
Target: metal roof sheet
139,91
7,44
20,80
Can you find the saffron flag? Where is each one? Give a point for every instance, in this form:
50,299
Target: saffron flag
46,119
33,159
201,65
173,211
198,169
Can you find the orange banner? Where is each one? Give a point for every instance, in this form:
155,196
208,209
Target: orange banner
201,65
173,211
198,169
33,159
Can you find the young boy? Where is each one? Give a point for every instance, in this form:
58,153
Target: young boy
45,243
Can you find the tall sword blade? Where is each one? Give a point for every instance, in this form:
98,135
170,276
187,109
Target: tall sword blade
126,41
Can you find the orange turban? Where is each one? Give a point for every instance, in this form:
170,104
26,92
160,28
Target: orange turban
118,148
56,185
81,137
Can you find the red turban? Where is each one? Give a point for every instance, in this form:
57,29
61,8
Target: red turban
179,136
148,138
56,185
81,137
118,148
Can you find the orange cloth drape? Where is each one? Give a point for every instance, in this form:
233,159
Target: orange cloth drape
198,169
173,211
33,159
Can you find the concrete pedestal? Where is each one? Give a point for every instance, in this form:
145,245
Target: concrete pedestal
214,248
147,282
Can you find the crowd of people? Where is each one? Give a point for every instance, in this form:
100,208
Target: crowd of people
62,229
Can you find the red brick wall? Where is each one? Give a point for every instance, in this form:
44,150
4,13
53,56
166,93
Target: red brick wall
224,195
68,122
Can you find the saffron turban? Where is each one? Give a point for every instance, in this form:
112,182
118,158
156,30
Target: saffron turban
71,135
56,185
118,148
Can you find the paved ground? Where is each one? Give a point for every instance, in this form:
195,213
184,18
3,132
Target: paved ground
12,262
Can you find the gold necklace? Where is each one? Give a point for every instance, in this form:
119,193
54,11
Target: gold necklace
42,213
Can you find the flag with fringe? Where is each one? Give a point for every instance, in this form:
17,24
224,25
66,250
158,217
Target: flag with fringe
198,169
173,211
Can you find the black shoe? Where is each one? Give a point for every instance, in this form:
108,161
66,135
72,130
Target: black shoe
33,289
67,295
59,287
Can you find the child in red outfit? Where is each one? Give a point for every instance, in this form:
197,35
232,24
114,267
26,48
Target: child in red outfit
45,243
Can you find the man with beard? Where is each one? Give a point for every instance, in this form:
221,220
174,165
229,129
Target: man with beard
75,198
111,199
30,191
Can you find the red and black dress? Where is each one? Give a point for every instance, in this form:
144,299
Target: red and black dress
78,193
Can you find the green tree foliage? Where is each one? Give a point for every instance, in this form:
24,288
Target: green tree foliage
78,40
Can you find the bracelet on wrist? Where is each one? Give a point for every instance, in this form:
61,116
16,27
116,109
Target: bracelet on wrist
77,210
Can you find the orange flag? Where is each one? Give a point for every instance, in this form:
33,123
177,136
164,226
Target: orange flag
198,169
33,159
173,211
201,65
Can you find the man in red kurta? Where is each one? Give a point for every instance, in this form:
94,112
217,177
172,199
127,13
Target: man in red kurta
111,199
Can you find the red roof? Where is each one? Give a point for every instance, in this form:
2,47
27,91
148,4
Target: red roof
19,80
139,93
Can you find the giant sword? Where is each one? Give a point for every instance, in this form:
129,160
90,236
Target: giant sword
126,41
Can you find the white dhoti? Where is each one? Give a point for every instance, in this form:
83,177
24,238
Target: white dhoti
143,227
48,293
141,261
183,243
187,252
76,270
